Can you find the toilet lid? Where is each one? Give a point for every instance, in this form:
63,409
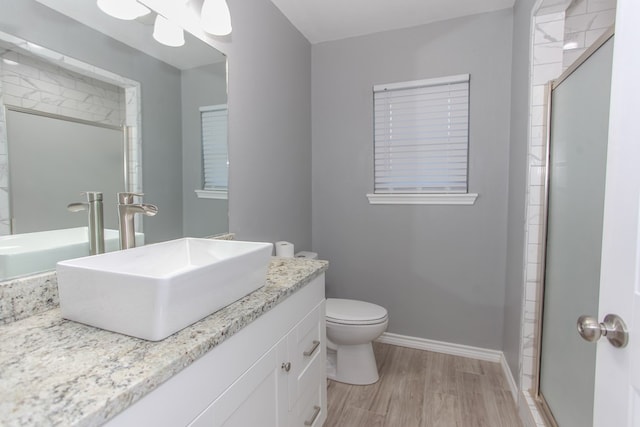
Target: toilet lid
348,311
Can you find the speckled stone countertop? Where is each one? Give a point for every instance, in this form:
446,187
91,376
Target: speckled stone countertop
54,372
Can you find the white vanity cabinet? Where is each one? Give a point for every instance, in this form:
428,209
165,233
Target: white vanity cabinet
272,373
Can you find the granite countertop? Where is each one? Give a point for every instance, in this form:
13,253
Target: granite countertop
57,372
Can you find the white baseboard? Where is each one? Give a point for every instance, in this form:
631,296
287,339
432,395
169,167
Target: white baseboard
441,347
454,350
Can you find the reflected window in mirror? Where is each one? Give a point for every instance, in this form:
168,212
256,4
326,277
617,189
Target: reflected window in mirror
215,159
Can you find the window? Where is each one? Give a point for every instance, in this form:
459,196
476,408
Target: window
215,161
421,141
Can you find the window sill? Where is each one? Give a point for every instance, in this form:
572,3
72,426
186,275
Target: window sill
422,199
212,194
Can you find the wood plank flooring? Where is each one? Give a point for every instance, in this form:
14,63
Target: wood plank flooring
423,389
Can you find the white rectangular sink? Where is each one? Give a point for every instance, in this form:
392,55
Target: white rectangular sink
153,291
39,251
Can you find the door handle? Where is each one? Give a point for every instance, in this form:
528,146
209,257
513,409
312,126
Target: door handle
613,328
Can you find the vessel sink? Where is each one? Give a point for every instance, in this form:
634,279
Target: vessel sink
153,291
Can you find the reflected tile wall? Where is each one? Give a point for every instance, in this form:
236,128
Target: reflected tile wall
37,85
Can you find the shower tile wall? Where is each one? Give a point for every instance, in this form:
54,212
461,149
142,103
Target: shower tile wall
28,82
584,20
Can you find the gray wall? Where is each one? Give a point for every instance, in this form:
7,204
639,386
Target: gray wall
439,270
520,69
160,86
201,86
269,125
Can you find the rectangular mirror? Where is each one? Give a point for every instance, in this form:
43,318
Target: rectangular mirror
71,56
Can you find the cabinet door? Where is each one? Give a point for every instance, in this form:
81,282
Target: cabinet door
257,398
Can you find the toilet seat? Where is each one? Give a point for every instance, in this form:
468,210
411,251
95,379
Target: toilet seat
353,312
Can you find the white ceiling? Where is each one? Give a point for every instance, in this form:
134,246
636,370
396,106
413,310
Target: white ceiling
325,20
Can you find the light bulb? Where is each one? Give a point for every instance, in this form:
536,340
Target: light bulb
123,9
215,17
167,33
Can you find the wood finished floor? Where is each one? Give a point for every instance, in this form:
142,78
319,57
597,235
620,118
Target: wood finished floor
423,389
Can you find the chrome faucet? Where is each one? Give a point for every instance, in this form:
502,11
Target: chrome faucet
93,206
126,210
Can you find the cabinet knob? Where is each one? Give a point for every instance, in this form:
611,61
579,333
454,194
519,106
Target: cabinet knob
286,366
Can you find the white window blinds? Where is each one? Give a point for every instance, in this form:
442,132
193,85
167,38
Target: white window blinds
421,136
214,147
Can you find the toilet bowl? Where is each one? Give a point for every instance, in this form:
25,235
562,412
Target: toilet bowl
351,327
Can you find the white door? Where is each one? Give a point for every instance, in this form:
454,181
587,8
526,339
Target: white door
617,386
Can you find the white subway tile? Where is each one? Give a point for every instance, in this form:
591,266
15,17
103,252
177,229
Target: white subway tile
600,5
540,19
538,114
592,35
534,216
527,366
537,155
90,89
547,53
578,7
60,80
51,99
525,381
538,94
534,234
536,175
531,287
543,73
532,252
575,40
534,196
75,94
537,130
20,91
590,21
548,32
23,70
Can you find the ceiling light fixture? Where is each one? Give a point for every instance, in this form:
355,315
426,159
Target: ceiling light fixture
123,9
167,33
215,17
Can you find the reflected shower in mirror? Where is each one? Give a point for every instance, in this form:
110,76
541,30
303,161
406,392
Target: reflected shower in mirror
86,74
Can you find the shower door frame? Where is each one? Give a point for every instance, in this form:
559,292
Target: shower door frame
538,397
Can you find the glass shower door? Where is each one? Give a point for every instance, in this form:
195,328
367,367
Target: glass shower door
577,162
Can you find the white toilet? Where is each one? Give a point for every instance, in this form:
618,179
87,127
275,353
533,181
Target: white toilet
351,327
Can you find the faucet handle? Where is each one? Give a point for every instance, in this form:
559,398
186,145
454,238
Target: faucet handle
126,198
77,207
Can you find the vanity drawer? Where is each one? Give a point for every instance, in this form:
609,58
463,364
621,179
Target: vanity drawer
310,411
307,350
